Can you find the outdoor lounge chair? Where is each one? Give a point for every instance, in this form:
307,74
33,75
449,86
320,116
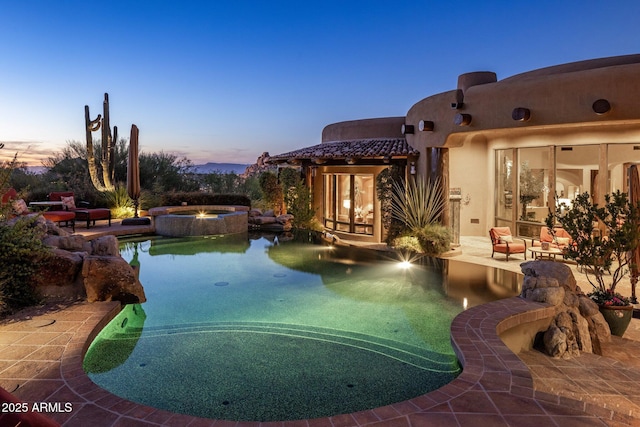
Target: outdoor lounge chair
20,208
562,240
502,241
82,211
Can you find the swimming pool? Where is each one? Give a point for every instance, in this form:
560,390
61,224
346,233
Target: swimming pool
241,328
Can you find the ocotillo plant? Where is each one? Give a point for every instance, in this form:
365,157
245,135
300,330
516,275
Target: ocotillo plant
107,159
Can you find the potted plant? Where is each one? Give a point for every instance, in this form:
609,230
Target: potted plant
602,238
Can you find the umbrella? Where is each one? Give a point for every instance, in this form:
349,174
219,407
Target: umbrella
133,169
133,178
634,199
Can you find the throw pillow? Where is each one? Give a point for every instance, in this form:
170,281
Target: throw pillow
563,241
20,207
68,202
507,239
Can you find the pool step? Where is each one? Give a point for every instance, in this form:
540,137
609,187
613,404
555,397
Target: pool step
413,355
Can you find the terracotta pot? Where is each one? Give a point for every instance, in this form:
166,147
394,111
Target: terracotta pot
618,317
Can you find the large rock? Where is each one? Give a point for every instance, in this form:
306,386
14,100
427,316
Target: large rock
555,342
577,325
109,278
72,243
557,270
105,245
57,275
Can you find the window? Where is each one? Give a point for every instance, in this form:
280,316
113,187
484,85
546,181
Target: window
621,157
533,183
505,183
576,171
349,203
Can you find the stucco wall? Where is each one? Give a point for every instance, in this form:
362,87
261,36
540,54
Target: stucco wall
385,127
468,170
559,103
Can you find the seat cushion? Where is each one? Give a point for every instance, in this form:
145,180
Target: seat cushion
57,216
513,248
497,232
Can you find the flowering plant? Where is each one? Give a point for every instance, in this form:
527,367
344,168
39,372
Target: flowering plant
609,298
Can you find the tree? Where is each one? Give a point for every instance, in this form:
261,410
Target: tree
221,183
160,172
599,251
297,198
272,191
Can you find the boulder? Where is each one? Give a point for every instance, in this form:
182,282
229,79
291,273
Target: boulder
262,220
555,342
109,278
587,306
553,296
578,324
557,270
57,275
105,245
72,243
284,218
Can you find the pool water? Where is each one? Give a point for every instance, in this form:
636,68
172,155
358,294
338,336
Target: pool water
252,329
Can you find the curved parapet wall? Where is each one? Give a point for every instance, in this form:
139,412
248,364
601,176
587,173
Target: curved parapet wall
175,221
385,127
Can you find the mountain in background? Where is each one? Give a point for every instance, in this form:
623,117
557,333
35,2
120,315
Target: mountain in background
210,167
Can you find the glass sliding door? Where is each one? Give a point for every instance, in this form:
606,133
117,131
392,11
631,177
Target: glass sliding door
620,158
344,203
505,185
534,165
576,171
329,206
349,202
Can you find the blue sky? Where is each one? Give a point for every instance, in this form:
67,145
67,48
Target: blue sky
223,81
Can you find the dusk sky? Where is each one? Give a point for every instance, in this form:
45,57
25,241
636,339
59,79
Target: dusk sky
223,81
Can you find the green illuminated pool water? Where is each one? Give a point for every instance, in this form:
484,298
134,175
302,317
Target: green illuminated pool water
245,329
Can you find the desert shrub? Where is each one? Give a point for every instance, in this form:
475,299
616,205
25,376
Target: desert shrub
21,255
271,191
297,199
434,239
119,202
406,243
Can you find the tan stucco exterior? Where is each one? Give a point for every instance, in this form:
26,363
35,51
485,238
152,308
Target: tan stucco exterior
595,103
385,127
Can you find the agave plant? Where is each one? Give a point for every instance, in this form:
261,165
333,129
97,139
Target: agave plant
417,203
119,202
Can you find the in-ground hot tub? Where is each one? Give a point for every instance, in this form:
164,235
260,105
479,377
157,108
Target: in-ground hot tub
201,220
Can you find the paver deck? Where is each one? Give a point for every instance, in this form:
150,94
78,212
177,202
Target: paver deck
41,361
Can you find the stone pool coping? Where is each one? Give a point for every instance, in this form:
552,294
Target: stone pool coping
494,388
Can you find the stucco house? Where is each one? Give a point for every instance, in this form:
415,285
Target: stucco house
506,147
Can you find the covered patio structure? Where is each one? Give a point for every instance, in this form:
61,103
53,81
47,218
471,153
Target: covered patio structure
342,173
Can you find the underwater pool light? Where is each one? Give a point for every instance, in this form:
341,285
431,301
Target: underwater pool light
405,264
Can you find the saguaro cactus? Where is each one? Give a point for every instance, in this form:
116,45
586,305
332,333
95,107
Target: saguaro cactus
107,158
